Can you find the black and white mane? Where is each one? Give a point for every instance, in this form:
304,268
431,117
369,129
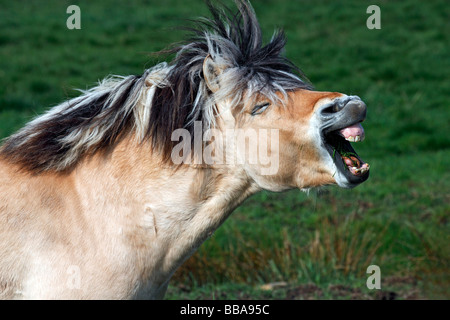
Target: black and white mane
164,98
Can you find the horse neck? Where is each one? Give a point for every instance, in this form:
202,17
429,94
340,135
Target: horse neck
168,212
133,168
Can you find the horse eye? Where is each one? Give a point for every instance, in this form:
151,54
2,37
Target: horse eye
259,108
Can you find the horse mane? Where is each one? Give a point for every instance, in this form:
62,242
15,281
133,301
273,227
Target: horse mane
164,98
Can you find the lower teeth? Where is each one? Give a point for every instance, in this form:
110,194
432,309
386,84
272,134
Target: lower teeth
357,171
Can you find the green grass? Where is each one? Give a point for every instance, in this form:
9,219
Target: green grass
319,244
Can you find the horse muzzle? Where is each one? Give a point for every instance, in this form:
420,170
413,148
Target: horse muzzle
341,124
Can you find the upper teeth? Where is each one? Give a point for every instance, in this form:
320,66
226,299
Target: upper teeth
355,138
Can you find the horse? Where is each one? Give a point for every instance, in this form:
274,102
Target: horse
105,195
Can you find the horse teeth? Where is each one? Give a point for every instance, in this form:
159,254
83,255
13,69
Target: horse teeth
362,169
355,138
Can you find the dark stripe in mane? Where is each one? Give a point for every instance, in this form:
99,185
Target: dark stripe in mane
40,146
171,109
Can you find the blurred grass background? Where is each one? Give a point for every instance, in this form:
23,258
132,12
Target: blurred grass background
317,245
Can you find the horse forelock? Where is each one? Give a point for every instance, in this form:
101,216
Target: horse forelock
163,99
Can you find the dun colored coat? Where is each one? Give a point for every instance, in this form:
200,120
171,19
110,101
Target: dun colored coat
107,194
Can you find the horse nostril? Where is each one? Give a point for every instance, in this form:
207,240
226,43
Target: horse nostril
338,106
334,107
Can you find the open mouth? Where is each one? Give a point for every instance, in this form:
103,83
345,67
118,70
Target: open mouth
347,161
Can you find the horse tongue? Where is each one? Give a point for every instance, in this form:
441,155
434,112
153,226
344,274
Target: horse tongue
353,133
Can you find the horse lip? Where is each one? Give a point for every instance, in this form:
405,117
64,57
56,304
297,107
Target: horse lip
354,111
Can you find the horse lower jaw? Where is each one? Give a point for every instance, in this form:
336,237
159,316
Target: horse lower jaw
351,169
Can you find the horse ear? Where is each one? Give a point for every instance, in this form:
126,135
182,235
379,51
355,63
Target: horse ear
211,73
